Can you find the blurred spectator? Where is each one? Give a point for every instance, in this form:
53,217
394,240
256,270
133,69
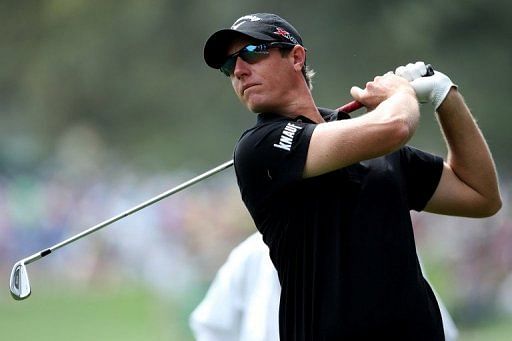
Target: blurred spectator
243,300
186,237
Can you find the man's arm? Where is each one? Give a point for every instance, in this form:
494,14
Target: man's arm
385,129
469,184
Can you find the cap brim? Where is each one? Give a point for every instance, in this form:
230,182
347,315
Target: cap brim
216,46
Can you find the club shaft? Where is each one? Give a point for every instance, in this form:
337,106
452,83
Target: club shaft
347,108
137,208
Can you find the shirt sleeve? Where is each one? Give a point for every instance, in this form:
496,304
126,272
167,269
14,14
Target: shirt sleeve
423,172
242,302
271,157
219,315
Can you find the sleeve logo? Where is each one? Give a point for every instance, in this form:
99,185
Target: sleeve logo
286,139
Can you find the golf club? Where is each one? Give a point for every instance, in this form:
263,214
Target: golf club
19,283
354,105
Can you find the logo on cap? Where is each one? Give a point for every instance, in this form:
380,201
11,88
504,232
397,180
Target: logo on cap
243,20
285,34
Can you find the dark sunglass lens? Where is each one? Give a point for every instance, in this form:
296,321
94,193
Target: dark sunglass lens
252,53
229,66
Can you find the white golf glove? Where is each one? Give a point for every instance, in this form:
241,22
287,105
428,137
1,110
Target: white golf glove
431,89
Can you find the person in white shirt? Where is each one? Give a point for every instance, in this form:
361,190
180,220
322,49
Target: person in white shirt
242,303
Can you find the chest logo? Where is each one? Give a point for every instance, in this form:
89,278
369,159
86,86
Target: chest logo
286,139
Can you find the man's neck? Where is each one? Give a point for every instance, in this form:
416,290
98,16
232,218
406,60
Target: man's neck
303,106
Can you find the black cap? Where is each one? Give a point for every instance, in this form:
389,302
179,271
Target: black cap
265,27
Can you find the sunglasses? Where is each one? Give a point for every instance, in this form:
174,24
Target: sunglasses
250,54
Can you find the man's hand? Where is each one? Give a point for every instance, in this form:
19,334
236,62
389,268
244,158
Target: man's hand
388,127
380,89
433,89
468,184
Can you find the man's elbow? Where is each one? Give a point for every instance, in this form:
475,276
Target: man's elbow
400,133
490,207
495,206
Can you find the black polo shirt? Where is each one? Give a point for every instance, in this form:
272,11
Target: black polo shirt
342,242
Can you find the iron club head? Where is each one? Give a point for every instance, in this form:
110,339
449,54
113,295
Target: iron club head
19,283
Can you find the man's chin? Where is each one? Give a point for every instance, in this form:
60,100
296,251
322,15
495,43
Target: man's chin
253,103
258,108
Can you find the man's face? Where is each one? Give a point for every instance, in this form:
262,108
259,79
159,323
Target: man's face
263,86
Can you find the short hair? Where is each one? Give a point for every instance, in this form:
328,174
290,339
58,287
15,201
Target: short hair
307,71
308,74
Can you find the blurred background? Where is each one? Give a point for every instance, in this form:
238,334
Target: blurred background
104,104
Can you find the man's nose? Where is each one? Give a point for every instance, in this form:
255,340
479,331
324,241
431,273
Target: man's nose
241,68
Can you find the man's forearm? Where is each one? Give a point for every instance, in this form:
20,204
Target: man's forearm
468,153
337,144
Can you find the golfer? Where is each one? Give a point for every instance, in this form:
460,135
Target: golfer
332,196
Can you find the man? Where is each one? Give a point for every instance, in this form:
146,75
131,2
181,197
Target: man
332,197
242,303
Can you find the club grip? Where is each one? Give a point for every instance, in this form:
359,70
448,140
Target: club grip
430,70
354,105
349,107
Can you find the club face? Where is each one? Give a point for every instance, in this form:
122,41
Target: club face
19,283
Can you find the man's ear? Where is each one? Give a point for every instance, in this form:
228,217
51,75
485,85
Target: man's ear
299,57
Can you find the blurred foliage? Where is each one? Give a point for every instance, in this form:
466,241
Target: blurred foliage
132,71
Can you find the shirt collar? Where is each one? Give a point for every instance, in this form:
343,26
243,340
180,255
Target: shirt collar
329,115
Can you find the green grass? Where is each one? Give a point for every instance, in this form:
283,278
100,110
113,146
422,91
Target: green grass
127,314
133,313
496,330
